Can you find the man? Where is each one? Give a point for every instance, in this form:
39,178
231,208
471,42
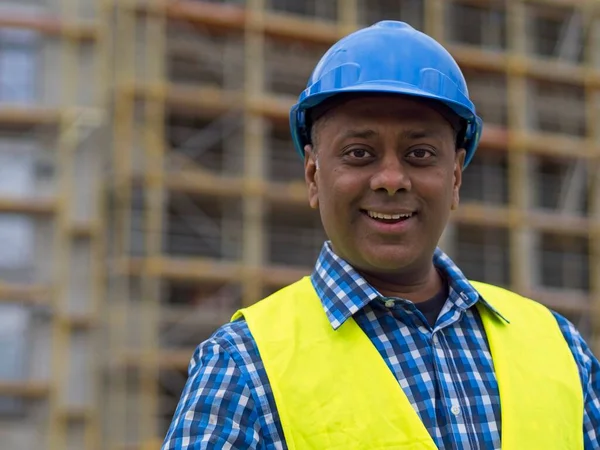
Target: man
387,344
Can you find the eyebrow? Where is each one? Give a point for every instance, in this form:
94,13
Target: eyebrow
362,134
407,135
420,134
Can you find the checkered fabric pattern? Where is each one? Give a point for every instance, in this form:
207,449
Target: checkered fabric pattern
445,371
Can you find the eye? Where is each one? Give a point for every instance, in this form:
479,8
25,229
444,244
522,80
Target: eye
421,153
358,153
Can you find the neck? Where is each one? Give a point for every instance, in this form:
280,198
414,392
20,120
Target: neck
410,287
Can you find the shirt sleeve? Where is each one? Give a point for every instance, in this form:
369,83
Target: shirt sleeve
216,409
589,371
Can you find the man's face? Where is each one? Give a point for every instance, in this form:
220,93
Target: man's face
385,174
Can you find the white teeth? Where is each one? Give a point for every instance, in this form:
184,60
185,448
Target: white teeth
376,215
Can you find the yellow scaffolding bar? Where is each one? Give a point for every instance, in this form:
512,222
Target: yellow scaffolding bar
67,144
253,204
154,123
120,191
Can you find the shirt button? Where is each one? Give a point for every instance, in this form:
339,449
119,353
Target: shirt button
390,303
435,339
455,410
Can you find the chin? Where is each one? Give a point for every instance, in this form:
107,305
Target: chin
390,258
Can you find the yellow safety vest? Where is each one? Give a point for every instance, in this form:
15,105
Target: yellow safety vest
333,390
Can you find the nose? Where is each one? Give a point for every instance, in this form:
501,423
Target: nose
391,176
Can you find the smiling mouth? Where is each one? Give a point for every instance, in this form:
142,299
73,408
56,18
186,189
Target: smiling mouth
388,218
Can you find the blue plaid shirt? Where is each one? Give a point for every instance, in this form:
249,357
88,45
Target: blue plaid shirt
445,371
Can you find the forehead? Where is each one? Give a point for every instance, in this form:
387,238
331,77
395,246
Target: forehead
375,110
397,108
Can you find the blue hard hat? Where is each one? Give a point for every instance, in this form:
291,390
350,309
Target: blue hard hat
389,57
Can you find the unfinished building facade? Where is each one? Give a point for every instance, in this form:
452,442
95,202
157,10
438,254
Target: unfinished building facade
149,187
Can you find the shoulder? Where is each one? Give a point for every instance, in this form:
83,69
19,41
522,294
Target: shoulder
232,341
235,338
579,347
517,309
288,303
224,404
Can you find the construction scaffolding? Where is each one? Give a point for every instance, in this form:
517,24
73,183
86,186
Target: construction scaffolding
50,232
149,187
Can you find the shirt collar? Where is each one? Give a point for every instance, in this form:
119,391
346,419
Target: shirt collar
343,291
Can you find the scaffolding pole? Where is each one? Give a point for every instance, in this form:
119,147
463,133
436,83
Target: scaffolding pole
592,96
254,136
67,145
520,234
434,19
118,419
348,16
93,436
154,117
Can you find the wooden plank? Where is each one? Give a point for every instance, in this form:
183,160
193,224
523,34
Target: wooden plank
77,414
501,216
555,222
33,294
494,137
188,269
273,107
83,229
481,214
27,206
553,144
293,193
475,58
81,322
311,30
24,389
546,12
50,25
174,359
201,316
554,70
213,99
279,276
560,300
227,17
27,116
204,182
212,270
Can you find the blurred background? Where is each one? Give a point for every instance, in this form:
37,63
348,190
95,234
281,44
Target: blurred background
149,188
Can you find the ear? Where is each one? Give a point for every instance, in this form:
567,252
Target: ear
459,161
311,175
